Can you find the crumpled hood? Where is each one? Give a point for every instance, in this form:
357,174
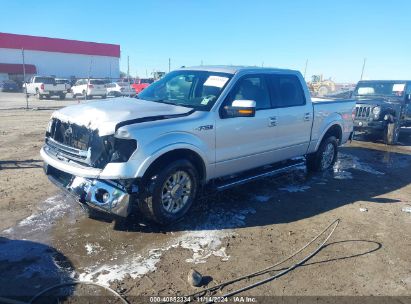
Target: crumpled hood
104,115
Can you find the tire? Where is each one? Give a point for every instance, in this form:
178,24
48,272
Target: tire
62,96
104,97
391,133
165,211
322,91
325,156
89,97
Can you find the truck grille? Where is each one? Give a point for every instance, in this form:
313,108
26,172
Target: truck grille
362,112
76,143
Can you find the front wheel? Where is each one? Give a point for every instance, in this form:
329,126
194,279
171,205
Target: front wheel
325,156
391,133
170,192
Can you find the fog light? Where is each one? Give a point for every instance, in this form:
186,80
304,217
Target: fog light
102,196
106,197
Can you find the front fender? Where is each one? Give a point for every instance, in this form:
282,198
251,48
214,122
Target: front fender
149,152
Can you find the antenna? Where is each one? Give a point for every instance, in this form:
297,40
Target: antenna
363,67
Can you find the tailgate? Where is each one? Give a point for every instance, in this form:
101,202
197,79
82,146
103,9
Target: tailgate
54,87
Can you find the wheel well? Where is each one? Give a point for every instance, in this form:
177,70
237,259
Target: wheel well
336,131
177,154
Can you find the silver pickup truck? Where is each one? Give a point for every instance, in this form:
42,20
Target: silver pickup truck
194,129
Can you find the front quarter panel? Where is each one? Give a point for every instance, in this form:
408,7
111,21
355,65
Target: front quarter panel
155,139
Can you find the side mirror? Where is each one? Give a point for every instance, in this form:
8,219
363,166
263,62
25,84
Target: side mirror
240,108
408,98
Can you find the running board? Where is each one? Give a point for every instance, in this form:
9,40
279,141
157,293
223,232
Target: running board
254,175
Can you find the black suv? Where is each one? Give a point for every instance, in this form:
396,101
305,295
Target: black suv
383,106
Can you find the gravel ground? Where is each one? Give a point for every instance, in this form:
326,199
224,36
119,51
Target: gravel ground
46,237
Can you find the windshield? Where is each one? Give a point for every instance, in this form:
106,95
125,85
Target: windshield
194,89
389,89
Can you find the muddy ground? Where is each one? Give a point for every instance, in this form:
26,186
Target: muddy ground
46,237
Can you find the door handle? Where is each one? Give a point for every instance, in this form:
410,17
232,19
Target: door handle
272,121
307,116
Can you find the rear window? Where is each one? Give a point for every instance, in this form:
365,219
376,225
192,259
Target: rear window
97,81
286,91
146,81
45,80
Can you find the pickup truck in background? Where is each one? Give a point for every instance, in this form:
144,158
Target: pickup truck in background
141,83
383,107
195,129
45,87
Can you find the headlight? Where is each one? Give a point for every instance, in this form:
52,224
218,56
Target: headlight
376,111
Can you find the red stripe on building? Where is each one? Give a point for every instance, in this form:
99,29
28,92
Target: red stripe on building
34,43
11,68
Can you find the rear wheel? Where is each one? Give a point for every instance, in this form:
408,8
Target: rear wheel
62,96
322,91
169,193
325,156
391,133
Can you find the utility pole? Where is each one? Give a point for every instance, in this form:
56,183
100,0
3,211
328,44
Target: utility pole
305,69
88,80
363,67
128,67
169,64
24,79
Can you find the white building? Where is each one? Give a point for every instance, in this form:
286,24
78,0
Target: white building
57,57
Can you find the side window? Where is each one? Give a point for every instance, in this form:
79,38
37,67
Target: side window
251,88
286,91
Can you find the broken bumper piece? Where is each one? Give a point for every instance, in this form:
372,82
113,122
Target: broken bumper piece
98,194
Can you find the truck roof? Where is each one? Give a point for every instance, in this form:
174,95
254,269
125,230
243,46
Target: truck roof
232,69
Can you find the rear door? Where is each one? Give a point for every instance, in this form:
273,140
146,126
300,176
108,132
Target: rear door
294,116
243,143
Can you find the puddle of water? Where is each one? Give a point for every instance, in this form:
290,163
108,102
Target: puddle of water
38,225
348,161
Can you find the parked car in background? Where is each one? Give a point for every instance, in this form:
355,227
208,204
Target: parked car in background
9,86
66,82
43,86
118,89
383,107
141,83
195,128
89,88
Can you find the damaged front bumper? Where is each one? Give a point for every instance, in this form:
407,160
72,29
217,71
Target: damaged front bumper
103,195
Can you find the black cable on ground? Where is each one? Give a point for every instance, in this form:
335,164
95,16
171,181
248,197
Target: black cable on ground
270,268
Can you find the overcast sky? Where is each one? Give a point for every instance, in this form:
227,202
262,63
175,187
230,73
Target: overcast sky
335,36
